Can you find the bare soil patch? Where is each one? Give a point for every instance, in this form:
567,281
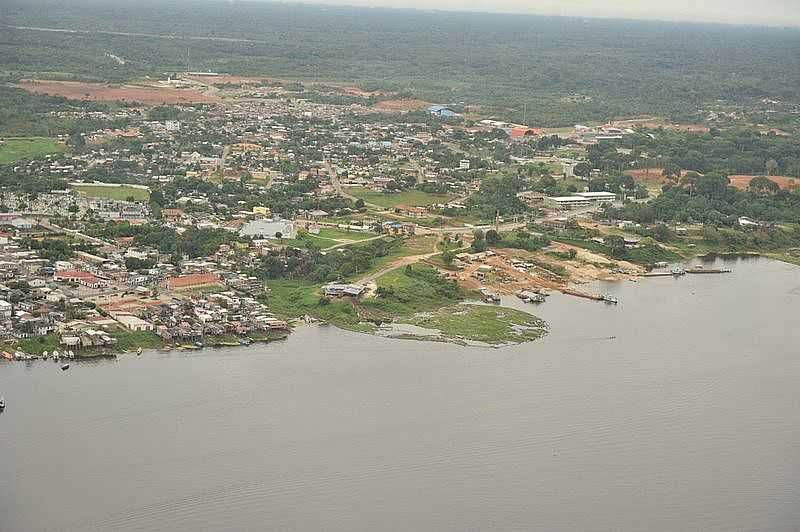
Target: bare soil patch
76,90
787,183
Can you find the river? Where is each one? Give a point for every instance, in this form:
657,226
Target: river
675,410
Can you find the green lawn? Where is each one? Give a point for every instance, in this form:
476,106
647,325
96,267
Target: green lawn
342,234
19,149
294,299
303,238
116,193
415,245
406,197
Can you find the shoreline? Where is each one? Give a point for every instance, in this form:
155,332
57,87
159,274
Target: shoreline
414,323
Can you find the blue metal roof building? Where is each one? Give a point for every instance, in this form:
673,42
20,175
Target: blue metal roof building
442,111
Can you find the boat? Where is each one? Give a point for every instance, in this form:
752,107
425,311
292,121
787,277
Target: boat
139,352
65,367
610,299
700,269
2,403
677,271
245,341
8,356
199,344
44,355
531,297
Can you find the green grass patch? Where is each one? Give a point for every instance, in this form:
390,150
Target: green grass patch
412,246
295,299
40,344
406,197
21,149
342,234
132,340
116,193
304,239
407,290
481,323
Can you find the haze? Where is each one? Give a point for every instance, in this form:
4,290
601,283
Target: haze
764,12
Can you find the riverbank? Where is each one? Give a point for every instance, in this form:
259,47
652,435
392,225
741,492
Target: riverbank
130,342
417,296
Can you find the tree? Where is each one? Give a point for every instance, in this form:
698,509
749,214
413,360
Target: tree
616,246
763,185
772,166
493,237
672,170
661,233
279,235
359,204
448,257
582,169
479,242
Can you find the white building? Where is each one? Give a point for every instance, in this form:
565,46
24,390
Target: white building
269,229
580,200
5,310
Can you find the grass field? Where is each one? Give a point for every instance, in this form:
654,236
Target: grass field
20,149
294,299
482,323
407,197
116,193
416,245
341,234
303,238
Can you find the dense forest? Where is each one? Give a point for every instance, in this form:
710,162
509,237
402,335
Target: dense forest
563,70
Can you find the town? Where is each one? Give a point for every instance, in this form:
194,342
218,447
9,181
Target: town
182,225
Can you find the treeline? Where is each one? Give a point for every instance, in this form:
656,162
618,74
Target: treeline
736,151
192,242
23,114
711,200
311,264
567,71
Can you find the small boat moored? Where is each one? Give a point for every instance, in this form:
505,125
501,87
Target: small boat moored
139,352
610,299
65,367
2,402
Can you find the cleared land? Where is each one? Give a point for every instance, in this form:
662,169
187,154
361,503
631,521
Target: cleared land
20,149
116,193
76,90
406,197
787,183
402,105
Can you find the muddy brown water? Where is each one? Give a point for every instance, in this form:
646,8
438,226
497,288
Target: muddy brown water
675,410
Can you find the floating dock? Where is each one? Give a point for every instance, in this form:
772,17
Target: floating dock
700,270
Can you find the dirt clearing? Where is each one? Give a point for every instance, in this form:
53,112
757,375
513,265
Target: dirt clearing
76,90
786,183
